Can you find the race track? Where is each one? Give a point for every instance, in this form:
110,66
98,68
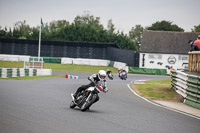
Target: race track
42,106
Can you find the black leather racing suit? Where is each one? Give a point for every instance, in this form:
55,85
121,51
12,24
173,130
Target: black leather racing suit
94,78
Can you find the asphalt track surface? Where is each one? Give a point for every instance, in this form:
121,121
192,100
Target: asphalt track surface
42,106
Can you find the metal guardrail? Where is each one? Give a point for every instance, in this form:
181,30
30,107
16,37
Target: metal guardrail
194,61
188,86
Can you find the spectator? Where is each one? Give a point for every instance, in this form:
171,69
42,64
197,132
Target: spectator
194,47
171,68
197,42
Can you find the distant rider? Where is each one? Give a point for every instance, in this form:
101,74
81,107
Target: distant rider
94,79
108,72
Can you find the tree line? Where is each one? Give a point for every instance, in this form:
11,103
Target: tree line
87,28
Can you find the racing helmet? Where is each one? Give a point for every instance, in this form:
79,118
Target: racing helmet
102,74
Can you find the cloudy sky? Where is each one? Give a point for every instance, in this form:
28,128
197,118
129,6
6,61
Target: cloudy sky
125,14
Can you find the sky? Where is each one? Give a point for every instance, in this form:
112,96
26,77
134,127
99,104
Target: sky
125,14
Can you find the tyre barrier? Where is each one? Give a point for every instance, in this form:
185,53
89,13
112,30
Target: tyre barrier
188,86
21,72
71,77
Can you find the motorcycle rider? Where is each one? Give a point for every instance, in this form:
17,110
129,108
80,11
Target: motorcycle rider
109,73
122,74
94,79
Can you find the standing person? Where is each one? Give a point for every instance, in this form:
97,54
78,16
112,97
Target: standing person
193,46
171,68
197,42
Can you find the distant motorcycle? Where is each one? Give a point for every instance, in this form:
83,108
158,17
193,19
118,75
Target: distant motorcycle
123,75
86,98
110,75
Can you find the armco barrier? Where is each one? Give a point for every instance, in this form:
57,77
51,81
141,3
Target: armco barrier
52,60
20,72
6,57
147,71
80,61
188,86
94,62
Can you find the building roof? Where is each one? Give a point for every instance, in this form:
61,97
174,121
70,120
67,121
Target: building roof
167,42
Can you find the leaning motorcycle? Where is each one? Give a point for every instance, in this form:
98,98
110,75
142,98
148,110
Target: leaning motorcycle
86,98
123,75
110,76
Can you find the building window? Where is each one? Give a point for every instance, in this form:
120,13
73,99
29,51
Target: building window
155,56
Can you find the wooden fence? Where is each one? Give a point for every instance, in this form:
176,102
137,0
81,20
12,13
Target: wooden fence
194,61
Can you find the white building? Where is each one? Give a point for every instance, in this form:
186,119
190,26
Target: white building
163,49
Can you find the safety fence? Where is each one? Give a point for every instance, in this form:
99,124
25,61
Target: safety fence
188,86
83,61
21,72
18,58
147,71
94,62
90,50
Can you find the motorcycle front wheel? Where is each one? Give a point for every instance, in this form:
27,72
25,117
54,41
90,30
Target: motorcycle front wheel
87,104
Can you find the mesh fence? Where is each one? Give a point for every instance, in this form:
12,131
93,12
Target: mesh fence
108,51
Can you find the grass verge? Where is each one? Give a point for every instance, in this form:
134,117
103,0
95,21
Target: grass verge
55,68
33,77
156,90
77,68
11,64
60,67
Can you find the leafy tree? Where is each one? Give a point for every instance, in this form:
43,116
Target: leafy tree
196,28
34,35
165,26
21,30
4,33
87,19
136,33
85,28
110,26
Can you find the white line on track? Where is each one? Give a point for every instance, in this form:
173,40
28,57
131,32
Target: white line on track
159,104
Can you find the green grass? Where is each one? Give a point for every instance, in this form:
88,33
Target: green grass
34,77
55,68
11,64
156,89
59,67
76,68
